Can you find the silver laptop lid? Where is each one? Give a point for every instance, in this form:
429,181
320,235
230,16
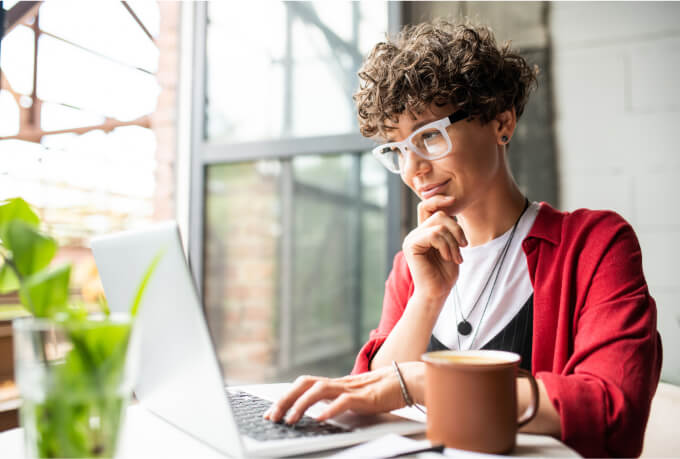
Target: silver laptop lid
179,378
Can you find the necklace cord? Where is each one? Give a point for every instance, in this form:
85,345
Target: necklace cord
498,265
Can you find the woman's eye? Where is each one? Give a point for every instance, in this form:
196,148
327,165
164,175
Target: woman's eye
431,135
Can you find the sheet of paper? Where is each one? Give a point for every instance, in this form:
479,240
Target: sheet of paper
411,412
386,446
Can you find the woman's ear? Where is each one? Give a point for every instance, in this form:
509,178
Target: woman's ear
507,121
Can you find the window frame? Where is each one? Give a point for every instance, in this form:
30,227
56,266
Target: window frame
202,154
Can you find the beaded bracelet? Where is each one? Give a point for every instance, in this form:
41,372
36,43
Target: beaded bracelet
404,393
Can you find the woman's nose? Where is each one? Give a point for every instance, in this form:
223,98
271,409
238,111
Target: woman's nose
414,165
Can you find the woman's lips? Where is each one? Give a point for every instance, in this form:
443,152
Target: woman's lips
428,191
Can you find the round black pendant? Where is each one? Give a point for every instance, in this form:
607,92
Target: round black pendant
464,327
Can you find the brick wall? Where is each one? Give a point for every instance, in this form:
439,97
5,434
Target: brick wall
163,120
617,101
241,270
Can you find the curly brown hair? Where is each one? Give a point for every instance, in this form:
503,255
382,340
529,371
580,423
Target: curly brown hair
441,63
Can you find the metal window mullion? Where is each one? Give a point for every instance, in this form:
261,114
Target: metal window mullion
213,153
198,165
286,322
357,248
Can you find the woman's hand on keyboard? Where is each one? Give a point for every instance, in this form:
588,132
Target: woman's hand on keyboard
376,391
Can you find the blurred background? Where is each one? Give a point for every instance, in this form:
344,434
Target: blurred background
236,119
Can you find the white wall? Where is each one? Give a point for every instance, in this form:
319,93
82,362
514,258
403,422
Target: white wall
616,69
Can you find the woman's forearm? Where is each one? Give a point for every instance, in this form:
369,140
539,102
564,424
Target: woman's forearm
547,420
409,338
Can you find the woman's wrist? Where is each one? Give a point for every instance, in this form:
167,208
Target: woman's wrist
414,379
428,301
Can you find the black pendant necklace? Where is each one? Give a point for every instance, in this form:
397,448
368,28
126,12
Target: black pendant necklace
464,326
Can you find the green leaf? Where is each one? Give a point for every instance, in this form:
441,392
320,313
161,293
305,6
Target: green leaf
145,281
16,209
8,280
31,250
46,292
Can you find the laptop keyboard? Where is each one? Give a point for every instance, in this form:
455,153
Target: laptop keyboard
248,410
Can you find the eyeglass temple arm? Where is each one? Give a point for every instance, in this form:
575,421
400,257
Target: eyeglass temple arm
457,116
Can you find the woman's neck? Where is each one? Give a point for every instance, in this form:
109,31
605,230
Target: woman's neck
493,214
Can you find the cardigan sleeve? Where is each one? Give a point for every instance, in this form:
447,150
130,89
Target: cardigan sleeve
398,289
603,394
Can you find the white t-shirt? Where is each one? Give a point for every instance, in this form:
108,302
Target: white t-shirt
513,288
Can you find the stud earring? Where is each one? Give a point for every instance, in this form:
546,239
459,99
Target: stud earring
504,138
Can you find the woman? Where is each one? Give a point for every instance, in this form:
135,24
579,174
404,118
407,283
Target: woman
486,268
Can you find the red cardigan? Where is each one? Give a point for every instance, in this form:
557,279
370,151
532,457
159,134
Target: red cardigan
595,343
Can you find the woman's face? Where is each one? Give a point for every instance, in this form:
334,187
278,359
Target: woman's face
472,166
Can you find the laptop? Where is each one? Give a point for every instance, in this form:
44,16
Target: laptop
180,379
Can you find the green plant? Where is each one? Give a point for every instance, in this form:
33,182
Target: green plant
78,411
26,254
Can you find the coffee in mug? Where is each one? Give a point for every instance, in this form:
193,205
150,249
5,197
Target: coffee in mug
471,399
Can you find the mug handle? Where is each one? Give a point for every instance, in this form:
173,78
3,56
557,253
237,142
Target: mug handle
532,409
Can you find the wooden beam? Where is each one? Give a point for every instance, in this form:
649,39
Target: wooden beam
139,21
35,135
18,13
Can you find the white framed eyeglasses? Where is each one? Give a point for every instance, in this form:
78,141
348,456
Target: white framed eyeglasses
429,142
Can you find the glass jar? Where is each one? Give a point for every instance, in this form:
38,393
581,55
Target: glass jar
75,378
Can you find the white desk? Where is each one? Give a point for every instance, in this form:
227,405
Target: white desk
146,436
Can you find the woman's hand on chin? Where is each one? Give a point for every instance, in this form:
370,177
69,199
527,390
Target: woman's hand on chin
373,392
432,248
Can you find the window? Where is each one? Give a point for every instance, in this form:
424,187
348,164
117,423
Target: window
77,96
291,218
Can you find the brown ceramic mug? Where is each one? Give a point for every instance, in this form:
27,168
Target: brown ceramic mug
471,399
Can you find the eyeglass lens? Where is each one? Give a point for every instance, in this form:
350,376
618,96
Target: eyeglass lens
429,143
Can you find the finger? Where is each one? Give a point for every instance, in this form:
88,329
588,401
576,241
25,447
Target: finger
438,238
300,386
421,241
441,218
453,244
457,232
431,205
341,404
319,391
441,241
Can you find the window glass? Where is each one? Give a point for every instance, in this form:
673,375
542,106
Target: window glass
274,316
325,276
295,80
241,267
9,114
17,59
95,66
55,117
106,28
332,173
79,78
148,13
373,181
374,263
